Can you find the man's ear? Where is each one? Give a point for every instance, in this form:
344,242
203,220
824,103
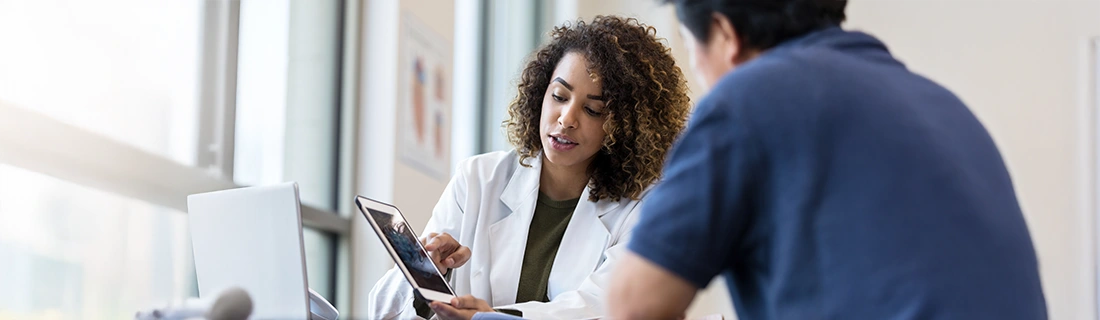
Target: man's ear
724,39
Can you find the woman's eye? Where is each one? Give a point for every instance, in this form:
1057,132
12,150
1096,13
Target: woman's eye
592,112
558,98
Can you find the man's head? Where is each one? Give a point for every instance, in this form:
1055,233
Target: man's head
722,34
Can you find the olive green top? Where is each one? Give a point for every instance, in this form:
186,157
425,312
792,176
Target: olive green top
547,228
543,238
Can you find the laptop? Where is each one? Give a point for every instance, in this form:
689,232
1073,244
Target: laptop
252,238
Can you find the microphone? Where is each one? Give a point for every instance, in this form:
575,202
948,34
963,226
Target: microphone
232,304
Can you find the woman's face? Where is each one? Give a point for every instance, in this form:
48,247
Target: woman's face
573,114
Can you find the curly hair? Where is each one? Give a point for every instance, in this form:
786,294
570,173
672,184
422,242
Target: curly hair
647,102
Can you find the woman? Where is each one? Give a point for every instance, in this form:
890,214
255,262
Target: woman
536,230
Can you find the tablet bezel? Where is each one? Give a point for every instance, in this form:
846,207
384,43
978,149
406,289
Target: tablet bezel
364,204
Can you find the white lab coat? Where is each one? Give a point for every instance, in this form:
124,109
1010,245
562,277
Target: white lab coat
488,206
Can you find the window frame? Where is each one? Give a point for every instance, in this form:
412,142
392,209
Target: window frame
36,142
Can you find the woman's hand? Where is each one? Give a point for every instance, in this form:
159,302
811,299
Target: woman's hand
445,251
461,308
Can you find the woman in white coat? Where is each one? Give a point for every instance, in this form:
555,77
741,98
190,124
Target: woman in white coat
536,231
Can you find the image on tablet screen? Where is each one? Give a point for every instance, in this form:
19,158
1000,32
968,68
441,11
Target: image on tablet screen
410,252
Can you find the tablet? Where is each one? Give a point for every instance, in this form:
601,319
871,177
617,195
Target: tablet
406,250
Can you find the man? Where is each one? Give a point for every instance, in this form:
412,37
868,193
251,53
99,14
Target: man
824,180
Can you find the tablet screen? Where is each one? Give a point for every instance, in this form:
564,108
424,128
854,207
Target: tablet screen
411,253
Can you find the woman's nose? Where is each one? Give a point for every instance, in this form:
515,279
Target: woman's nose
568,118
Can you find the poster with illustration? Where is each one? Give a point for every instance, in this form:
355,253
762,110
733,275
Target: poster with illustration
424,115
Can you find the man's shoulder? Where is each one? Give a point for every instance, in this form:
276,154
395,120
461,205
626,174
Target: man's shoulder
765,80
758,93
794,86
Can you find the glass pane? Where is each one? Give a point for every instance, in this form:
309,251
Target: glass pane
261,93
287,102
320,261
511,37
127,69
69,252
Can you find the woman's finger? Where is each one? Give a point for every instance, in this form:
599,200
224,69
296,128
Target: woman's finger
459,257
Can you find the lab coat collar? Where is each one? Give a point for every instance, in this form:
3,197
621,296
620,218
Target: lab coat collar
584,240
524,185
523,189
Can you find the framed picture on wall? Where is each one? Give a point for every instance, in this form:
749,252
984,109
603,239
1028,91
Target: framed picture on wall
424,113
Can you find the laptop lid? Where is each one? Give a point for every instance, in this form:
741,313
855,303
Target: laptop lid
252,238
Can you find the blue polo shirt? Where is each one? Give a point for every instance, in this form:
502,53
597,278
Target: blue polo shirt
824,180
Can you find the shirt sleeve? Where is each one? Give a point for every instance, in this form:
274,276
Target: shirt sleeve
691,222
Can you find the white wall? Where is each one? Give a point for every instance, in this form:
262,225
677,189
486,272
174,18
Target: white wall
382,175
416,193
1021,67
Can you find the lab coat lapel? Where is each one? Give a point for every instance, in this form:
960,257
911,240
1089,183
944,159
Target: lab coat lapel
508,237
582,246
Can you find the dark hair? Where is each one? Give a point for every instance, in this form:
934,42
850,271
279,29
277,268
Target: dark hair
646,93
761,24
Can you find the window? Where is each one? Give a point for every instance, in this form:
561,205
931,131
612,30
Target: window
103,236
504,53
1094,95
287,111
124,69
127,69
71,252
